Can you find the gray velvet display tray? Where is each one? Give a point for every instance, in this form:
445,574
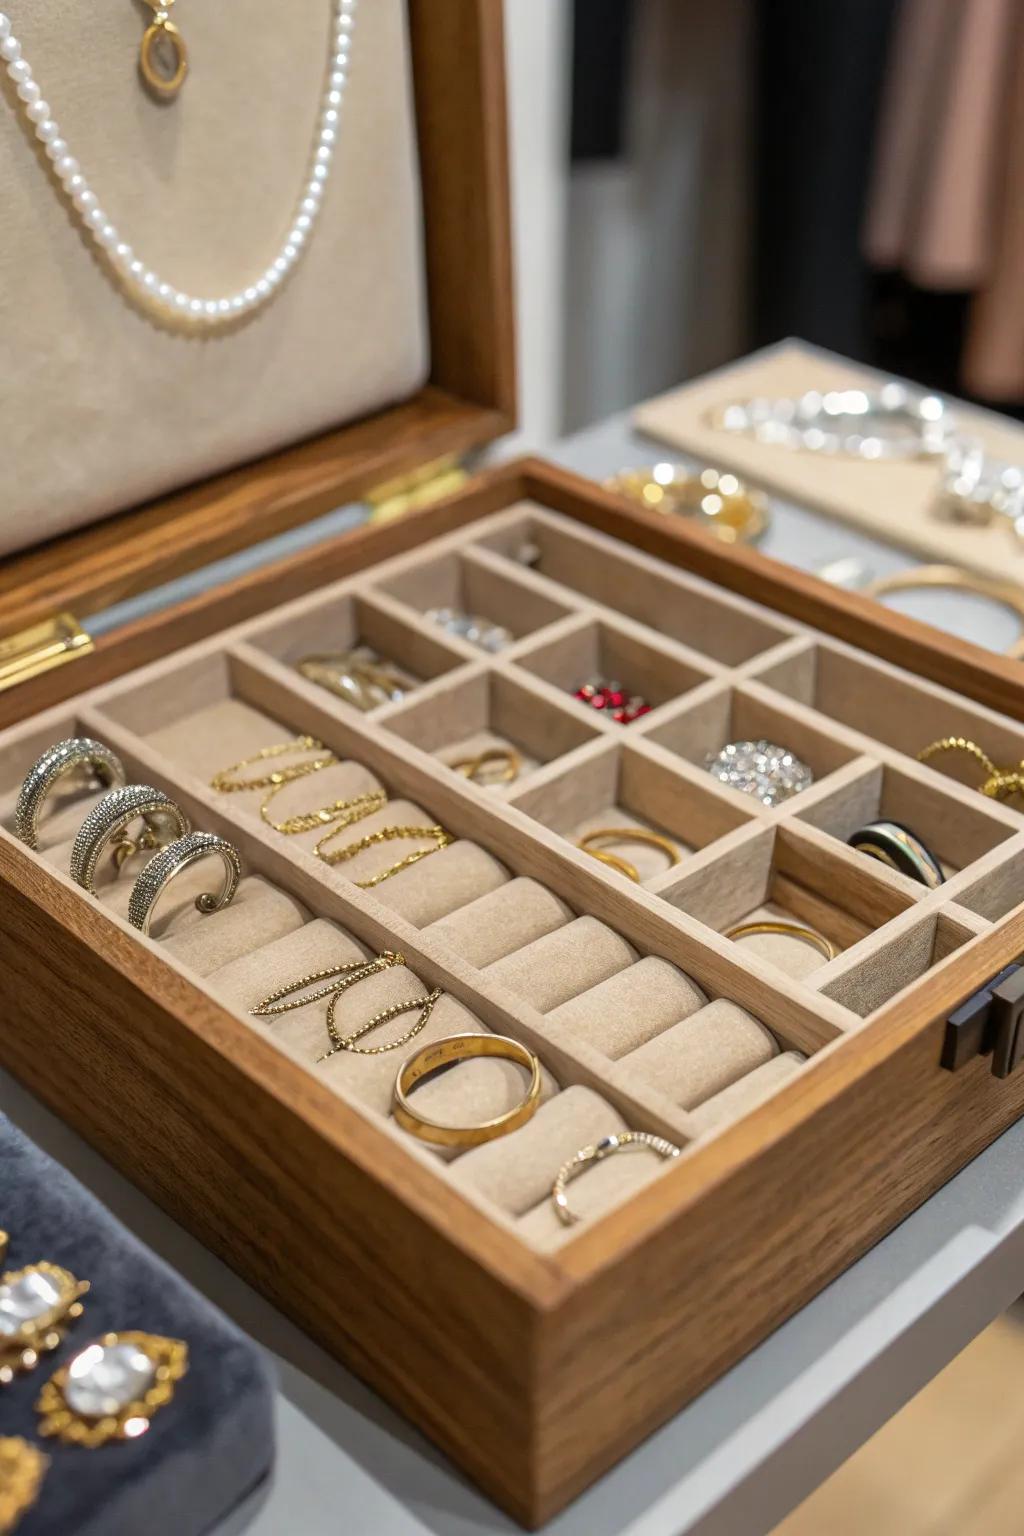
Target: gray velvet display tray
206,1449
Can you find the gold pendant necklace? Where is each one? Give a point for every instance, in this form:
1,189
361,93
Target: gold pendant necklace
163,57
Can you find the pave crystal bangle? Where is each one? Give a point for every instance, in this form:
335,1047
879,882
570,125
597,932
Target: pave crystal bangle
172,861
596,1153
64,757
113,815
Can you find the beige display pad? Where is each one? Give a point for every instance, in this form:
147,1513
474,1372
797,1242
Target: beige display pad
893,501
102,408
644,1014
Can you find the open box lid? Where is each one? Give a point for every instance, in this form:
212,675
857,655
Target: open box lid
457,59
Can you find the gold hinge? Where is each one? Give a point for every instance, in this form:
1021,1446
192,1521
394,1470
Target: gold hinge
427,483
40,648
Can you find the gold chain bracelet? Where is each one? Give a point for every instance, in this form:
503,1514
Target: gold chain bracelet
347,812
226,782
384,835
1000,784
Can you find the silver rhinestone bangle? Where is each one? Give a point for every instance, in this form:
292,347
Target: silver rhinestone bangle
596,1153
64,757
164,866
113,815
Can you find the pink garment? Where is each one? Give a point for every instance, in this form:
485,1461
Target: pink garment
939,159
993,364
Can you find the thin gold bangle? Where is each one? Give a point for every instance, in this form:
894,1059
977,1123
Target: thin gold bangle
462,1048
384,835
347,812
791,930
470,766
226,782
627,835
950,577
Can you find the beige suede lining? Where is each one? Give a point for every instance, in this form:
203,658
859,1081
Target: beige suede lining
501,922
702,1054
633,1006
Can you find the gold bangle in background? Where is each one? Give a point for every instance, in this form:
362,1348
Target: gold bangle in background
470,766
348,975
627,835
22,1469
790,930
63,757
596,1154
713,499
998,784
173,861
358,676
347,812
441,1053
951,578
226,782
385,835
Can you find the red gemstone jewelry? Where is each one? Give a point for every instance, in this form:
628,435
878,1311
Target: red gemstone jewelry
612,699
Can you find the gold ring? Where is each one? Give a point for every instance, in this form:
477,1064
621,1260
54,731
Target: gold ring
791,930
596,1154
463,1048
951,578
470,766
627,835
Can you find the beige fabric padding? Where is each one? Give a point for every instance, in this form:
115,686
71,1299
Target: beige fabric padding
258,914
474,1090
631,1007
506,919
747,1092
102,408
702,1054
795,956
563,963
445,882
518,1170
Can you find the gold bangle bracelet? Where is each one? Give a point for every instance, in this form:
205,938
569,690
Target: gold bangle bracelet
627,835
455,1048
951,578
470,767
790,930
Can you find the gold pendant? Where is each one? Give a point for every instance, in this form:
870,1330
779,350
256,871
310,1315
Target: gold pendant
163,57
37,1305
22,1469
111,1389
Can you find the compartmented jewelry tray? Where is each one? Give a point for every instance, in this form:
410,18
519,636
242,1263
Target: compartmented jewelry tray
530,819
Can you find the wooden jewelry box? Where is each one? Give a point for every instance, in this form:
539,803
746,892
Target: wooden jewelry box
809,1096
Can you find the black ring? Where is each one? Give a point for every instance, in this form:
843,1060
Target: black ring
897,845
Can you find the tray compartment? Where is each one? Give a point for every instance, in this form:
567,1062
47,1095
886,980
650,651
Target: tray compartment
630,785
616,651
694,613
462,582
485,709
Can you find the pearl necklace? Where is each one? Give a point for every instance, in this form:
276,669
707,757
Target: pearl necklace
141,284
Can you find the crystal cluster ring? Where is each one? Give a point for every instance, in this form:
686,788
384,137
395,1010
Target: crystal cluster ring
77,753
114,814
170,862
760,768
